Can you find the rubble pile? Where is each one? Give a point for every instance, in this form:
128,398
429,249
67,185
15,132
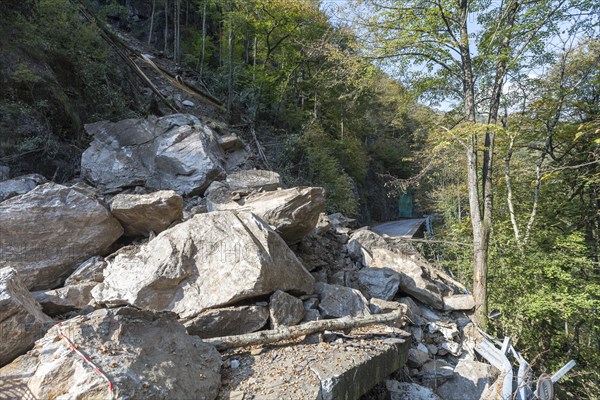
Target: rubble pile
129,279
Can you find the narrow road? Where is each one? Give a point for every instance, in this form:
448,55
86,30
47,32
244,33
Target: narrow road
406,228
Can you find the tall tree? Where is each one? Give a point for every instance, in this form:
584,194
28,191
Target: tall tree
447,56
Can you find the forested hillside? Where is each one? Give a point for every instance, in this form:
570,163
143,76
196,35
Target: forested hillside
489,114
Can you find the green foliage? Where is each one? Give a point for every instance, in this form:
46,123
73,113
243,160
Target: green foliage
61,74
325,170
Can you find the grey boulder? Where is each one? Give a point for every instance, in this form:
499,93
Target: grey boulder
47,231
65,299
143,355
253,179
285,310
22,321
18,186
471,379
228,321
293,213
412,278
141,214
459,302
381,283
175,152
209,261
91,270
340,301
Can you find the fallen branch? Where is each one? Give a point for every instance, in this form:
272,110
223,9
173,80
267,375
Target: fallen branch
259,148
290,332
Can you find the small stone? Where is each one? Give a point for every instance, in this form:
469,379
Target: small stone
256,351
234,364
188,103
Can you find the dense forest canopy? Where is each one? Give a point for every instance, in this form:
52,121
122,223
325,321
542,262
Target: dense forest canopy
511,165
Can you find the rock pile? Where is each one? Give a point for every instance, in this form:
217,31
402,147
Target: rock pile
174,244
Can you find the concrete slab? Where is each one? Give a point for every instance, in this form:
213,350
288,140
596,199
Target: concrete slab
405,228
344,369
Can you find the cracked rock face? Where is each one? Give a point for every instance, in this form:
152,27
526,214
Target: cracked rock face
341,301
22,321
144,355
285,310
211,260
175,152
293,213
47,231
141,214
228,321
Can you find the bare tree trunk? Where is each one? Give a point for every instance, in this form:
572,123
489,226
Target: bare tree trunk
290,332
254,59
230,79
479,225
509,193
166,47
203,37
176,29
151,22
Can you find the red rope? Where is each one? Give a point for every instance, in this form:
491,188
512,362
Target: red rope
76,350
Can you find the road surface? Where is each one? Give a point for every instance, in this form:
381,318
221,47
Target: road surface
405,228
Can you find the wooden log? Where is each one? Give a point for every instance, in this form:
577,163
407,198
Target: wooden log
290,332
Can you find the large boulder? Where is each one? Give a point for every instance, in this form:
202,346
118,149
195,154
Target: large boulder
209,261
65,299
413,281
91,270
141,214
470,380
47,231
285,309
18,186
341,301
228,321
175,152
22,321
293,213
143,355
253,179
459,302
381,283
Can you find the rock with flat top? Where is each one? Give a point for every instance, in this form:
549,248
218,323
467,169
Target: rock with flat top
212,260
228,321
412,278
177,152
253,179
22,321
45,233
293,213
140,214
459,302
144,356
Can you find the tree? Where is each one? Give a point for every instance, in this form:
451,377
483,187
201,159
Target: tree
447,57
